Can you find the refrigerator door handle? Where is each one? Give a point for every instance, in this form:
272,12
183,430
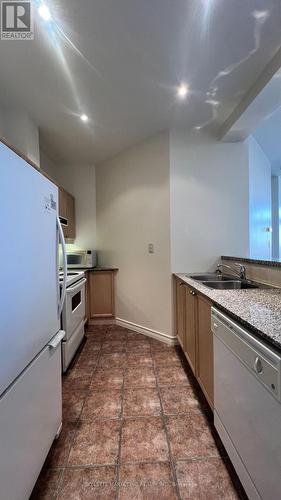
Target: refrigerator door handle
56,340
63,289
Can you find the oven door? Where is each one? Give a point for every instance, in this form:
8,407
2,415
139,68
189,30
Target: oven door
74,307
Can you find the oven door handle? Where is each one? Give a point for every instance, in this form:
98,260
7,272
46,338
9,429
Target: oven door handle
78,285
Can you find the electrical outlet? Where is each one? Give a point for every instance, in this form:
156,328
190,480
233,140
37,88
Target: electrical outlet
150,248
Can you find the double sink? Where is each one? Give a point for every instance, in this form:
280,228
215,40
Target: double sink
223,282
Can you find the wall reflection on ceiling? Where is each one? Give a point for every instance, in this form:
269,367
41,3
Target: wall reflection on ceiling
259,19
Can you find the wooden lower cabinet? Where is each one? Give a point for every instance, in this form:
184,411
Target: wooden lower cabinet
190,327
101,295
193,320
205,356
180,313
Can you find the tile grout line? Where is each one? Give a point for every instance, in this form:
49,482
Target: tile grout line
120,430
134,462
174,476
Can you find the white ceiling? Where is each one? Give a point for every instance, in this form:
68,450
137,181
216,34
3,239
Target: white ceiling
123,64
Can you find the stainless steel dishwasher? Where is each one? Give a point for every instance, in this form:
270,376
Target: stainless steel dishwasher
247,408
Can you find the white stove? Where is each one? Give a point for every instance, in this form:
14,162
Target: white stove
73,315
72,277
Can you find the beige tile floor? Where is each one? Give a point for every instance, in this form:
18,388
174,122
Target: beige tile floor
135,426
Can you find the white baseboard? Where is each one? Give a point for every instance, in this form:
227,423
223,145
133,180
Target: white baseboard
147,331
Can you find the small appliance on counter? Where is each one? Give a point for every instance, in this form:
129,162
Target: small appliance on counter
81,259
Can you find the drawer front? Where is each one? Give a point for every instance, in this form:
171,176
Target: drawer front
30,416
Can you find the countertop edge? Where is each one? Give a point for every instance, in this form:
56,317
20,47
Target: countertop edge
96,269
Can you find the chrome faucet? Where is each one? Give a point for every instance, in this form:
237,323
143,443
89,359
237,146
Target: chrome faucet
241,272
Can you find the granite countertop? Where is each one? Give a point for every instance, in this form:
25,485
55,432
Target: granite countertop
256,309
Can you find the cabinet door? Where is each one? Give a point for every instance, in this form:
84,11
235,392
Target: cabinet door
205,349
101,300
67,211
62,203
180,304
63,210
71,216
190,327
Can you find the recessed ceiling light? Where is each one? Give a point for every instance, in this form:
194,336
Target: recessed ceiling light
44,12
84,118
182,91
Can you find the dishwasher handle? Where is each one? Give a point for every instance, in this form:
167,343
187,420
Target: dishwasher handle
258,365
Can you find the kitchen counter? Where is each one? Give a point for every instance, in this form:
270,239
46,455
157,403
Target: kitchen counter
257,309
99,268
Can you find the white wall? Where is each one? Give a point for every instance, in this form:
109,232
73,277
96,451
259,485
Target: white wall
209,200
133,210
80,181
260,201
48,165
20,131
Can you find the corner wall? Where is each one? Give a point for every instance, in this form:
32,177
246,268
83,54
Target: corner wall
209,200
20,131
133,210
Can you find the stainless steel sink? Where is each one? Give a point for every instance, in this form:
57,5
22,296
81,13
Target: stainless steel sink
229,285
210,277
225,282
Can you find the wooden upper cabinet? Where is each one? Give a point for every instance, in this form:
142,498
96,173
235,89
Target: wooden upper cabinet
101,294
71,216
180,312
62,203
190,327
205,369
67,212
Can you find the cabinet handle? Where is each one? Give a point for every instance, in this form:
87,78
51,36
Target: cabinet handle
192,292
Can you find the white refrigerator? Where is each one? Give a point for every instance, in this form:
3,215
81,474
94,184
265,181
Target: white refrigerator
30,335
